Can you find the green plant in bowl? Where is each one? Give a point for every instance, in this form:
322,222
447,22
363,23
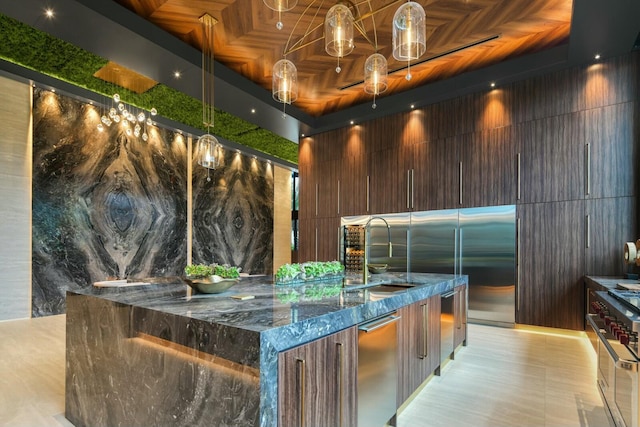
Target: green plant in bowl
198,271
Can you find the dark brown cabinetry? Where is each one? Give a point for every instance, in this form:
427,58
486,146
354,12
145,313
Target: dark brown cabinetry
551,159
551,241
487,165
317,382
611,154
609,225
459,316
418,345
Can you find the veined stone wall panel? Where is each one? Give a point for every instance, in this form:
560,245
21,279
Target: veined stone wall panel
105,205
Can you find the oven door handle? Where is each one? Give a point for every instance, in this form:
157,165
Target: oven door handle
626,364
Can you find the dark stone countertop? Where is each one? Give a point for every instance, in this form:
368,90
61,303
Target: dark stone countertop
251,332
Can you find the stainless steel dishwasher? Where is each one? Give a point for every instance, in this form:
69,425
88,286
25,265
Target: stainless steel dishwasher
446,328
377,370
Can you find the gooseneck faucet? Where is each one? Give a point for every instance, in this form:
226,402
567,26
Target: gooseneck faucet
365,263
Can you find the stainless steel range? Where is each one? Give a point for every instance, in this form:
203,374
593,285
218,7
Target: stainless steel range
614,317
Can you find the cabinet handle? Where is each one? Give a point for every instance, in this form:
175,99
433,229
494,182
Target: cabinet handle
425,331
588,231
409,189
460,312
368,190
588,162
518,182
340,386
460,170
412,189
301,379
518,264
338,197
317,192
316,258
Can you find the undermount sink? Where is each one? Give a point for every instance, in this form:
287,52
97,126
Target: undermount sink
390,287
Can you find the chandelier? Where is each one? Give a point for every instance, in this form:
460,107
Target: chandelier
208,149
409,43
132,119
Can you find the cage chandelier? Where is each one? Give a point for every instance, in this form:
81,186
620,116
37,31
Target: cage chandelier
409,42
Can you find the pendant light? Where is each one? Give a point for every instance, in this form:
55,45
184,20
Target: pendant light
284,83
375,76
208,148
338,32
280,6
409,33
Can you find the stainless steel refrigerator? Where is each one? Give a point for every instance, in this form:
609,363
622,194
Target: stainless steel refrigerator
478,242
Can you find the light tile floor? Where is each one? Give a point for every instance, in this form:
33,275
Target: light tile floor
513,377
504,377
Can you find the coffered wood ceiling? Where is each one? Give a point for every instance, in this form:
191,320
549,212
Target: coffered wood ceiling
247,41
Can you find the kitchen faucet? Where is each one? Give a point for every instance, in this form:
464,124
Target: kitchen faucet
365,266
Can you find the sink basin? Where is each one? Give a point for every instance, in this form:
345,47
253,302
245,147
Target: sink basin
390,287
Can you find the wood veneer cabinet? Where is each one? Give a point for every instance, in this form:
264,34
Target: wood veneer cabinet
610,223
551,241
459,316
418,345
551,158
317,382
321,239
488,164
610,150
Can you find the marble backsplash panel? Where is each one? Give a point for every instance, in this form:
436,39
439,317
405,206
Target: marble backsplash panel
104,204
233,213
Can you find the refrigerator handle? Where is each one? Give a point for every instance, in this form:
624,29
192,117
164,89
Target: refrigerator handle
455,251
460,252
460,179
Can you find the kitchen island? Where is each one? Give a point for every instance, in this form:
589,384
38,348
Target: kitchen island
160,354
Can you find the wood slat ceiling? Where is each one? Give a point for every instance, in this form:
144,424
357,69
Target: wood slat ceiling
247,41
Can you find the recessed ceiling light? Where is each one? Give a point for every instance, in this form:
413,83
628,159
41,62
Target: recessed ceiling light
253,111
302,135
49,13
351,122
413,106
493,84
177,74
597,56
53,90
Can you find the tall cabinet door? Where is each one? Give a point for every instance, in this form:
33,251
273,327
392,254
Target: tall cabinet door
551,244
611,152
436,180
551,159
387,190
488,162
317,382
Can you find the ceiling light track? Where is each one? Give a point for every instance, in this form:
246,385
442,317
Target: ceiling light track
431,58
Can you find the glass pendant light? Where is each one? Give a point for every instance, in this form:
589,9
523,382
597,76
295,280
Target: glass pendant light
208,147
284,83
208,151
280,6
409,33
338,32
375,76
